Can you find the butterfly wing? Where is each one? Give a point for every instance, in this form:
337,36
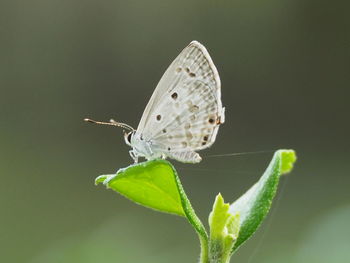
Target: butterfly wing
185,110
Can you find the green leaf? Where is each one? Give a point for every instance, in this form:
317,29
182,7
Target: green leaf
224,229
151,184
220,219
155,184
254,205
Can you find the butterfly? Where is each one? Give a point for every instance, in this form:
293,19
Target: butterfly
184,113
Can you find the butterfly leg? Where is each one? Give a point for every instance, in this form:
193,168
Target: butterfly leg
134,156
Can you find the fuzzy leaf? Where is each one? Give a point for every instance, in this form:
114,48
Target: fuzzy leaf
254,205
220,219
152,184
155,184
224,229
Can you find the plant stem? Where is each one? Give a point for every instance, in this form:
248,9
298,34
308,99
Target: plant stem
204,249
194,221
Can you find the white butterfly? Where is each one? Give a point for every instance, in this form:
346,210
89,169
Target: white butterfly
184,112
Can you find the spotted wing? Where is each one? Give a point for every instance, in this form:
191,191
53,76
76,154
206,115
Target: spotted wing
185,110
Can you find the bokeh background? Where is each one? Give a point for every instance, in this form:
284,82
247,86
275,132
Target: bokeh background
285,76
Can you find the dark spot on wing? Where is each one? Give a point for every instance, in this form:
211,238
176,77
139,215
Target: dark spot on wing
191,74
218,121
158,117
174,95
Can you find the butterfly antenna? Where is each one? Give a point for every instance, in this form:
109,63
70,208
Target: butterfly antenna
111,123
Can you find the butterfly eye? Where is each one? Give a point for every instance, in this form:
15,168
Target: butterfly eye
129,137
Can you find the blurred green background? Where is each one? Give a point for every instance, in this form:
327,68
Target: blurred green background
285,76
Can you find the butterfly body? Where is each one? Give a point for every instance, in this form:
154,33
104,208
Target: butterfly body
143,147
184,112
